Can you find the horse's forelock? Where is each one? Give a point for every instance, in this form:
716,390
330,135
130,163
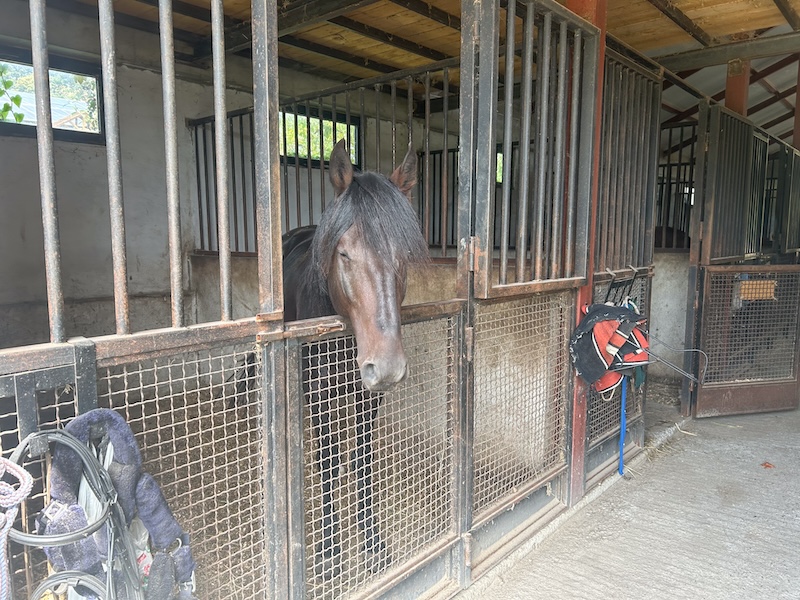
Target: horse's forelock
385,220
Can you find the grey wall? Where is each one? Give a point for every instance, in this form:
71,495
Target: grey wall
668,311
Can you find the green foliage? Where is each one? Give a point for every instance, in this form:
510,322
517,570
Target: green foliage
302,136
8,112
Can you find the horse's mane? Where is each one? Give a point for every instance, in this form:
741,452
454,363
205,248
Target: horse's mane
384,219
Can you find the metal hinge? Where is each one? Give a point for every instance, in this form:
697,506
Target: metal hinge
469,342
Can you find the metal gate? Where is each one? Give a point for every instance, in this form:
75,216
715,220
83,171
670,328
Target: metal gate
745,315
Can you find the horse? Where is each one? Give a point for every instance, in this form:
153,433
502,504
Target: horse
354,264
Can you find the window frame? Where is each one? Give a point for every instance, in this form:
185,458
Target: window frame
69,65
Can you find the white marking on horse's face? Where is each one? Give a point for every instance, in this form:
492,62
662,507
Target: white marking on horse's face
369,292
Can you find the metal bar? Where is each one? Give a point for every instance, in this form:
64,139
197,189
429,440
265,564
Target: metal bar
569,260
309,170
394,121
321,152
85,374
243,173
362,128
426,204
377,126
508,122
520,253
615,169
253,182
114,165
235,201
543,116
410,106
297,196
25,396
222,175
171,156
556,255
445,173
266,160
285,161
347,120
47,170
198,131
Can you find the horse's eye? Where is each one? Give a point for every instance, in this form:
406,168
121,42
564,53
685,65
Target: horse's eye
344,255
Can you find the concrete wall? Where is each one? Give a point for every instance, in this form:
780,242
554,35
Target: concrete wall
668,311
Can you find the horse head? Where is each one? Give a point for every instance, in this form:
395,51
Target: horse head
369,236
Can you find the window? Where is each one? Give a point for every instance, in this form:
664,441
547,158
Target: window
75,98
299,136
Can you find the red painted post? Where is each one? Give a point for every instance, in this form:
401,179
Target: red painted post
737,86
594,11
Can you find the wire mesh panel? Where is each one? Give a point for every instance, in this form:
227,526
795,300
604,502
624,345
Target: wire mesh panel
521,376
197,420
603,410
750,324
54,408
378,468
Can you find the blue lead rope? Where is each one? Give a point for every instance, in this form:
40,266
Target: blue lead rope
622,426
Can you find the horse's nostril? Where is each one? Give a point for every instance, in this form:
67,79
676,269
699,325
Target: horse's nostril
369,374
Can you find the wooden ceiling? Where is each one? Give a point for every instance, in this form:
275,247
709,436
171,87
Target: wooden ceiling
346,40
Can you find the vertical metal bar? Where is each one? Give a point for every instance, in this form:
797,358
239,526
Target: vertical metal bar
616,168
556,255
569,260
309,170
85,374
243,174
198,130
320,115
221,134
235,202
267,165
525,142
543,117
297,195
362,129
630,170
108,53
253,180
47,170
508,122
171,152
394,121
445,173
378,126
608,117
410,103
347,121
285,160
426,204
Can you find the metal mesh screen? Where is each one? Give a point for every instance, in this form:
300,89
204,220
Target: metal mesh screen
354,534
521,376
197,420
603,411
28,565
750,325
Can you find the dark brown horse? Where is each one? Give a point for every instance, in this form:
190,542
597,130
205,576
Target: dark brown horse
354,264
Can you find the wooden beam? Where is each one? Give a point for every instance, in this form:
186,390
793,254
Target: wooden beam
430,12
778,120
673,13
789,13
299,14
773,100
337,54
388,39
777,45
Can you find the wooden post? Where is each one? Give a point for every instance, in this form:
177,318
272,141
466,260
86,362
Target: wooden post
594,11
737,86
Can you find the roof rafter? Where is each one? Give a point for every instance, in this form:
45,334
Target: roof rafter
764,47
678,17
388,38
789,13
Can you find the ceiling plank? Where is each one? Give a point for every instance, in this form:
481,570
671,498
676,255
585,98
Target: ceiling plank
672,12
388,38
430,12
789,13
337,54
719,55
299,14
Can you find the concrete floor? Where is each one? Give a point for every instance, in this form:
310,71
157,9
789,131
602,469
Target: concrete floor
710,512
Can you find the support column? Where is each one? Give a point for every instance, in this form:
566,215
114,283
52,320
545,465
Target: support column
594,11
737,86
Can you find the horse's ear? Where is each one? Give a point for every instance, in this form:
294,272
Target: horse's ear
405,176
340,168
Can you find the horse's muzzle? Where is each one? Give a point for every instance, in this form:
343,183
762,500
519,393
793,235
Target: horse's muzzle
381,376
